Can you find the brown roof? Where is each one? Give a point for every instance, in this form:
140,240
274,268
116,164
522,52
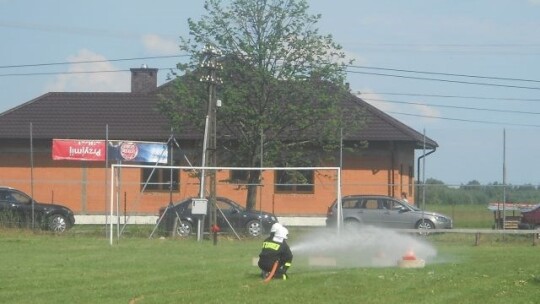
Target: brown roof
130,116
134,116
383,127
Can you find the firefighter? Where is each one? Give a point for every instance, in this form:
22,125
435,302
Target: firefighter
276,250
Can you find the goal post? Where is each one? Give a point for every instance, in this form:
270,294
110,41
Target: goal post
117,180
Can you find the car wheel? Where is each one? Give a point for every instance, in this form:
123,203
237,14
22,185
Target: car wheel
351,224
424,225
181,228
254,228
57,223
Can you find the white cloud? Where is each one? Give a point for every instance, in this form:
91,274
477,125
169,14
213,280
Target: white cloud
420,113
160,45
376,100
90,77
426,112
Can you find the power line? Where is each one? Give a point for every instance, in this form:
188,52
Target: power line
453,107
444,74
70,73
448,80
465,120
448,96
88,61
351,66
481,45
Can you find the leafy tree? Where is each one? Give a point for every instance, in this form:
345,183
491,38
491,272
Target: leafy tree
472,185
475,193
283,85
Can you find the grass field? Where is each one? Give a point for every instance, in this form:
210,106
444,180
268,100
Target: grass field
466,216
81,267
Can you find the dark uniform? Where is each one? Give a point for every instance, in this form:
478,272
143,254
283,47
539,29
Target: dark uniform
273,251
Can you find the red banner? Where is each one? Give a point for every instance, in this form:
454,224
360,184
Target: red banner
74,149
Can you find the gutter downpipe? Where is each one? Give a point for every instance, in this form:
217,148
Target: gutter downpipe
418,172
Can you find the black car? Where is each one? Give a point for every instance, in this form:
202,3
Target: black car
16,210
179,221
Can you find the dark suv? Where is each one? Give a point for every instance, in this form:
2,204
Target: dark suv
177,220
387,212
16,210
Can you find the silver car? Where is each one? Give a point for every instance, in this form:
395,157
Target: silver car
385,211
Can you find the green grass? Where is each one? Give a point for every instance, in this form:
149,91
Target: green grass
466,216
81,267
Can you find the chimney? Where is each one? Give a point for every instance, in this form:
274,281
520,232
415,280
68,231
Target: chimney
143,79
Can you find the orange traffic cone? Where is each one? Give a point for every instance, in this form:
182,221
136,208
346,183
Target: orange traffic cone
409,256
409,260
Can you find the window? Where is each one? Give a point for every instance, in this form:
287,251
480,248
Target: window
243,177
238,176
293,181
159,179
21,198
350,203
371,204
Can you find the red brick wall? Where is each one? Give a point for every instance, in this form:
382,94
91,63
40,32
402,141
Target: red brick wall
82,185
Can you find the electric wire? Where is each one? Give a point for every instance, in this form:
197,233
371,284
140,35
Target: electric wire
447,80
444,74
452,107
88,61
348,71
447,96
73,72
464,120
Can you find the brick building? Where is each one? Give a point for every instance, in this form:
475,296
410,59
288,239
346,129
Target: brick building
386,166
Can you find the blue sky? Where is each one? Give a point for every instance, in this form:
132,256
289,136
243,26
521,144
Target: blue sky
409,54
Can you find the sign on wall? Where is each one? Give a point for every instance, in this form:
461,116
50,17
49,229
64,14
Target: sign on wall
73,149
124,151
138,151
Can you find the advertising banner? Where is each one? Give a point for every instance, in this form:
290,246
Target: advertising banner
74,149
138,151
124,151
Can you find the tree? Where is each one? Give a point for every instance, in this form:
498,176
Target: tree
283,85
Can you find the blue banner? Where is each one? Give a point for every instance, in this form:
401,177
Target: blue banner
138,151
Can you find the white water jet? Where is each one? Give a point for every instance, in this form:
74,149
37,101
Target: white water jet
367,246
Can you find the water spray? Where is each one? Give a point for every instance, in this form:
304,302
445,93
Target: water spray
364,247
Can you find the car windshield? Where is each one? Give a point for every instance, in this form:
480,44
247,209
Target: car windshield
21,198
222,204
233,204
411,206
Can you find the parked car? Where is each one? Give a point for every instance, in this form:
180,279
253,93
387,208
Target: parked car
253,223
385,211
16,210
530,218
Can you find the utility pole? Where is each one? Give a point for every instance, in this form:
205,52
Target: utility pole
211,64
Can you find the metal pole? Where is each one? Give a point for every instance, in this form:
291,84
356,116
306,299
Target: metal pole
424,176
260,177
106,175
212,161
202,192
210,62
171,171
504,179
338,198
32,173
111,235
